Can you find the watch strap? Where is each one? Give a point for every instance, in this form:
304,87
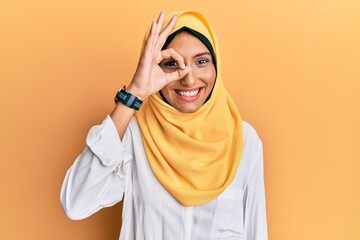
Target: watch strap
128,99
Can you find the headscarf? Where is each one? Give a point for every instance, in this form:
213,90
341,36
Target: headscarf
194,156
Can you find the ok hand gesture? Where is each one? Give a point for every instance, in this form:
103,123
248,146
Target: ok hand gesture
149,77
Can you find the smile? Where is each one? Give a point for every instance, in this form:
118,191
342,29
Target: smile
191,93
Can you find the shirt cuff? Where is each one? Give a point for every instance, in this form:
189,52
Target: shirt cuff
105,143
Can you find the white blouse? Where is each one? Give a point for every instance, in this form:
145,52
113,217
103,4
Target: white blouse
110,170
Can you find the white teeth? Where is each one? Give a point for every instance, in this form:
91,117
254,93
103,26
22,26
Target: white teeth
188,93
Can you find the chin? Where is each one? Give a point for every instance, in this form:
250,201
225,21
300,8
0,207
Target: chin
184,106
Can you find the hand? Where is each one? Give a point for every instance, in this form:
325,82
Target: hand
149,77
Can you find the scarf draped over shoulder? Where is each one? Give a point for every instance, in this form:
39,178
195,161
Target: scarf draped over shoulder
194,156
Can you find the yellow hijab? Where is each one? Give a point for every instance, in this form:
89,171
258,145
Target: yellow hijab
195,156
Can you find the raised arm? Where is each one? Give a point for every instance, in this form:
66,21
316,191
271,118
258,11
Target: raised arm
97,177
149,78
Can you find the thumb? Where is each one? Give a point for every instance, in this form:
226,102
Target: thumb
178,74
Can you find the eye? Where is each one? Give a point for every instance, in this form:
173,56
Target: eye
202,61
170,64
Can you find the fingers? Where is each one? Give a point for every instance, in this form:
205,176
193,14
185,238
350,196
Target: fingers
149,44
160,22
171,53
156,37
167,30
178,74
165,33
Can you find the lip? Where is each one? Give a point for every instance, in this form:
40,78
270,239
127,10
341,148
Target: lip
189,98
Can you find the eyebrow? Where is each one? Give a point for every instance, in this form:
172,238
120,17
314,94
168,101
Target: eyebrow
197,55
201,54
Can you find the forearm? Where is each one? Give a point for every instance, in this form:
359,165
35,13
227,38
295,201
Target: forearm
122,114
149,77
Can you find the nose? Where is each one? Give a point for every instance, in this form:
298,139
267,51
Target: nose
188,80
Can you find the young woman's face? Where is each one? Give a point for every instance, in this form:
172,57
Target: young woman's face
189,93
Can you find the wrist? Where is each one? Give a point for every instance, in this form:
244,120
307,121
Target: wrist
136,92
128,99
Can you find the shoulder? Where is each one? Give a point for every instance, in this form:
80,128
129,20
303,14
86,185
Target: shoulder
252,148
250,135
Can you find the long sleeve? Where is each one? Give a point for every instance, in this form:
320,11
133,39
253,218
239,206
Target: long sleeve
97,177
255,210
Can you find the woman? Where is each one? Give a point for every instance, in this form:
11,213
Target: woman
186,165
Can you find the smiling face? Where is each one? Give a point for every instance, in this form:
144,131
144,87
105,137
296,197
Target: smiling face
188,94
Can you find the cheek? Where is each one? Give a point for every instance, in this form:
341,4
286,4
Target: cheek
210,77
166,91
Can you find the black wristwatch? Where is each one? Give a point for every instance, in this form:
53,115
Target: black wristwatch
127,99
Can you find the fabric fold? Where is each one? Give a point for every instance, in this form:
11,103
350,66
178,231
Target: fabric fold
195,156
105,143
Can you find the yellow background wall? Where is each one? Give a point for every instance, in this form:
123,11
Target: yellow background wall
293,68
